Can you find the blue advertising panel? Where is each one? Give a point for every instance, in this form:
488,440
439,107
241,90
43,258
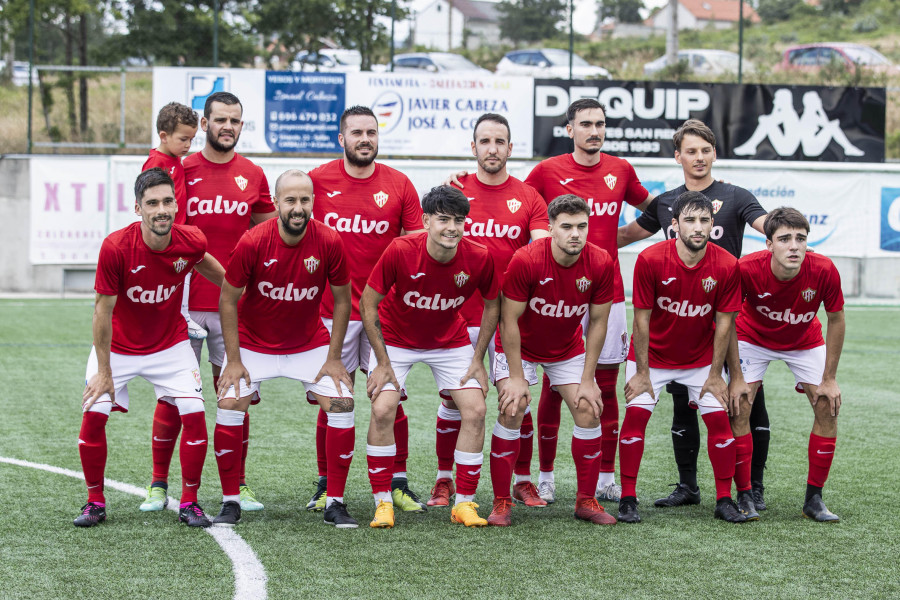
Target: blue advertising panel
303,111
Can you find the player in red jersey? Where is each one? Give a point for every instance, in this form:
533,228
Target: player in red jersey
411,311
548,288
783,288
505,214
270,319
226,194
368,204
176,125
139,331
686,292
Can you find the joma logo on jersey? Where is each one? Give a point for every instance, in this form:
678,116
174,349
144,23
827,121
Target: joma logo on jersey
181,263
311,264
513,205
288,294
717,204
610,180
416,300
461,278
160,294
808,294
241,182
541,307
683,308
583,284
380,199
708,284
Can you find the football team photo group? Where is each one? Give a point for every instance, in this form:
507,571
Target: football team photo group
343,279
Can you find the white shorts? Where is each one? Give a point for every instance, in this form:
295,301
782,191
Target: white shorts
808,365
692,379
615,347
448,365
215,342
302,366
563,372
173,372
356,349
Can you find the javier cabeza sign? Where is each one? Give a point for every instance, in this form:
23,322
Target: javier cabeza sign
762,122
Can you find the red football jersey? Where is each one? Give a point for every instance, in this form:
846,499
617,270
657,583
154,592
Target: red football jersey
367,213
558,297
147,316
171,165
279,311
421,308
684,302
221,198
502,218
781,315
603,186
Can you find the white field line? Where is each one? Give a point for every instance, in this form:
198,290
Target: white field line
249,575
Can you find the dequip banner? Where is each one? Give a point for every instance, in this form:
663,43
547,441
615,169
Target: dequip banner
760,122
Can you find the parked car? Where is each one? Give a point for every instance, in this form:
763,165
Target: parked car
334,60
20,72
701,61
550,63
808,57
434,62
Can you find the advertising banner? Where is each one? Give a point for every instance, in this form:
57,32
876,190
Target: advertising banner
303,111
434,115
761,122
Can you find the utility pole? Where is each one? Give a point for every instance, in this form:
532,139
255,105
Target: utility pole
672,35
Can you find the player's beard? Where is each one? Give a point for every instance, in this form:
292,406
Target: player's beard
591,150
565,247
358,161
492,168
694,246
161,227
219,147
290,229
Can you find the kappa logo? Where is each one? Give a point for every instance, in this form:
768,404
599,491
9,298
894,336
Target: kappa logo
669,280
333,194
610,181
808,294
592,456
461,278
717,204
311,263
565,181
346,456
241,182
417,275
766,295
708,284
448,430
583,284
195,181
725,444
545,281
270,262
513,205
138,268
380,199
180,264
631,440
223,451
502,454
378,470
195,442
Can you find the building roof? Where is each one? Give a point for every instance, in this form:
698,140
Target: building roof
719,10
479,10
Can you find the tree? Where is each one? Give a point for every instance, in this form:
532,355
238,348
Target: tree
530,21
623,11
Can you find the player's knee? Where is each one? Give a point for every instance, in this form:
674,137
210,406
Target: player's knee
231,404
384,413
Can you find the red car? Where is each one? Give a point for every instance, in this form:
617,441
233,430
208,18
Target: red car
809,57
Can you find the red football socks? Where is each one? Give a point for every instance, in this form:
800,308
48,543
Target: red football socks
631,447
743,461
526,448
92,449
821,454
548,416
166,427
193,453
586,454
720,444
401,440
609,418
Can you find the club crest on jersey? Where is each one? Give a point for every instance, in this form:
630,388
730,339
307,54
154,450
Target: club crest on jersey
311,264
708,284
610,180
717,204
583,284
461,278
513,205
808,294
380,199
241,182
179,264
196,375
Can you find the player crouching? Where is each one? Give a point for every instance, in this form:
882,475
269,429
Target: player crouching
410,309
548,288
783,288
273,330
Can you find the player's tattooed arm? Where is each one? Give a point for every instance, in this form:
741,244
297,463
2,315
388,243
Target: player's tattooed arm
382,373
738,390
234,371
640,381
102,382
834,343
715,384
516,386
340,405
211,269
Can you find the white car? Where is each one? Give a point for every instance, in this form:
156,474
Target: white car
329,60
548,63
712,63
20,72
435,62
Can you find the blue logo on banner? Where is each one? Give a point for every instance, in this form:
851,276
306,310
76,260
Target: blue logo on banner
890,219
201,87
630,213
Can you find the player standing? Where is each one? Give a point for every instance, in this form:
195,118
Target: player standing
549,287
685,294
411,312
783,288
368,204
270,320
504,215
139,332
226,195
733,206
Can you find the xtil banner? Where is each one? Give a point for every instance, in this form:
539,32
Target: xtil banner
762,122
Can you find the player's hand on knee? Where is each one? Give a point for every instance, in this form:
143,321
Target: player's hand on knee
335,369
515,389
716,386
454,179
829,389
381,376
637,385
231,377
738,391
477,372
99,384
589,392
